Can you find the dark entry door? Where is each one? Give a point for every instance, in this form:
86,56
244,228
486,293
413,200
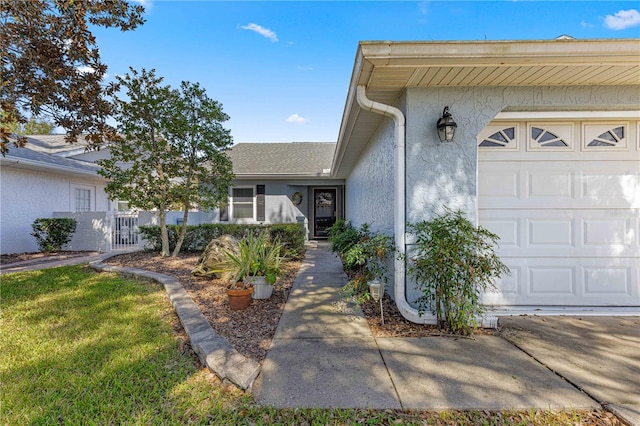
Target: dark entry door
324,211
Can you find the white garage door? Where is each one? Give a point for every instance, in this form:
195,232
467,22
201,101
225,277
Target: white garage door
565,199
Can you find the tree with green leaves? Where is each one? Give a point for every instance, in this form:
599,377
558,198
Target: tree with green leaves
31,127
201,140
170,149
51,64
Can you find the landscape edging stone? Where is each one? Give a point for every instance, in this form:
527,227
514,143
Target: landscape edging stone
213,350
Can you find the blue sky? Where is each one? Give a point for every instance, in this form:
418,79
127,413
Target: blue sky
281,69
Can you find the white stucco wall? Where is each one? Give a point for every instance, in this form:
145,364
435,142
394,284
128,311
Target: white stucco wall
93,231
27,195
369,189
446,173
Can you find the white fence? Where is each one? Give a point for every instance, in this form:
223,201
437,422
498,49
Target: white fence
124,231
103,231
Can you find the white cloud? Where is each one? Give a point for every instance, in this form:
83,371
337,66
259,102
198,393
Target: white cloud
304,68
622,19
295,118
265,32
585,24
423,8
85,69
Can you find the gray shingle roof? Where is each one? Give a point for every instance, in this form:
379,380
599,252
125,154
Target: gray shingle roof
43,152
27,154
296,158
55,144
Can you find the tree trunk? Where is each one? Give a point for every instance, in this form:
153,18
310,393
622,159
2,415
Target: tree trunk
183,232
164,234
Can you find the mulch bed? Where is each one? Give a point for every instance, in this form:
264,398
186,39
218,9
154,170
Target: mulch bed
249,331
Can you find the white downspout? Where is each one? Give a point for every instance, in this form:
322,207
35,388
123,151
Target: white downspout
365,103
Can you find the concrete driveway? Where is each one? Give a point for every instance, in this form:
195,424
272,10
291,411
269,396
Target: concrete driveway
600,355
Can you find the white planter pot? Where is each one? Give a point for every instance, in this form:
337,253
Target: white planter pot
261,288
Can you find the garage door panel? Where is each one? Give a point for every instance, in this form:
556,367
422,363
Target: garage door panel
568,282
502,184
507,228
612,189
579,233
559,184
612,232
607,280
545,184
552,281
551,233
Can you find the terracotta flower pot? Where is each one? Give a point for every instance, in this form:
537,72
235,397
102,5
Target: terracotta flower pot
239,299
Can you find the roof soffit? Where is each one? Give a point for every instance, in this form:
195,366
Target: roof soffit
388,68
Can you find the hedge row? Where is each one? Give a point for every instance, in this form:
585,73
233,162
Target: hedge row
292,235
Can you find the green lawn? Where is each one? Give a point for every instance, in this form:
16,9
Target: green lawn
81,348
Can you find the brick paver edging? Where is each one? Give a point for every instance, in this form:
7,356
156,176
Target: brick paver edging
213,350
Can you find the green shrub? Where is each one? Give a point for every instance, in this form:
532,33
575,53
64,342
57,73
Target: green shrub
291,235
454,261
364,256
343,236
52,233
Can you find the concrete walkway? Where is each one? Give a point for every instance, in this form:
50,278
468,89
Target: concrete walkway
54,261
324,355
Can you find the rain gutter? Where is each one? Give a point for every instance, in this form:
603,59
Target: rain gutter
399,220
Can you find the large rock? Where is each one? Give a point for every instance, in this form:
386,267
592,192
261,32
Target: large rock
214,258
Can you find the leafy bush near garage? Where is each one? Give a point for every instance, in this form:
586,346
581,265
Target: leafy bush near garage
453,263
292,236
52,233
364,255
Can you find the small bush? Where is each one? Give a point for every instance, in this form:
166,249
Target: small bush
364,256
292,237
198,236
343,236
453,263
52,233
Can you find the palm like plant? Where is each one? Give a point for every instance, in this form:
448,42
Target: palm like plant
257,256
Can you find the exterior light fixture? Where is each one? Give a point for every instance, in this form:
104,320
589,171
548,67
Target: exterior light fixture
377,291
446,126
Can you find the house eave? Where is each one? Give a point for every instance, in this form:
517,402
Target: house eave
282,176
26,164
387,69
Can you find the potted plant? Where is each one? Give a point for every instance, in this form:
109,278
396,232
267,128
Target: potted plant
256,265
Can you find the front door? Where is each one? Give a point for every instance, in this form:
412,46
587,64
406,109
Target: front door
324,211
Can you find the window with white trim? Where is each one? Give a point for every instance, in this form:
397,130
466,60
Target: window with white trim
242,203
82,200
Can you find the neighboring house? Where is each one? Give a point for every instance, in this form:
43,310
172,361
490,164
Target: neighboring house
285,183
546,154
45,177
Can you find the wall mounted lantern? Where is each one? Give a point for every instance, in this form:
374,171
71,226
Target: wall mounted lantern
446,126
